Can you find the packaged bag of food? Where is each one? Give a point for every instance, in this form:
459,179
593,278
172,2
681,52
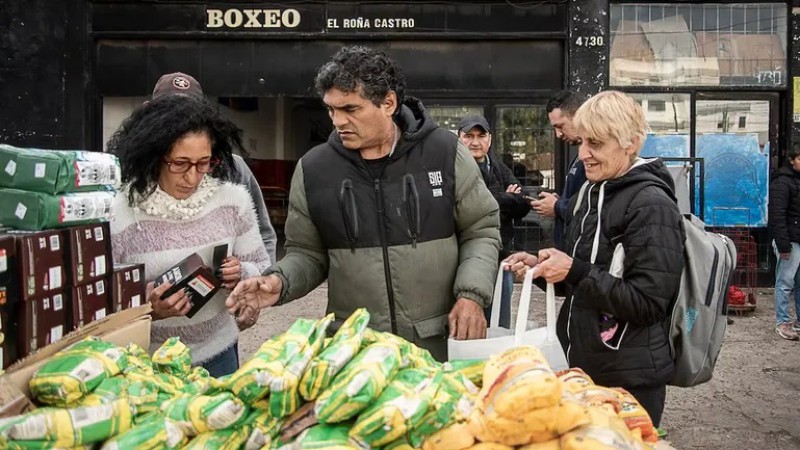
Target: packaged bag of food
56,171
635,416
324,436
399,408
536,425
490,446
27,210
603,432
54,427
517,381
143,396
199,381
109,390
251,381
471,368
229,439
173,357
156,434
138,360
202,413
284,398
452,403
77,371
575,378
553,444
264,429
411,355
359,384
342,348
453,437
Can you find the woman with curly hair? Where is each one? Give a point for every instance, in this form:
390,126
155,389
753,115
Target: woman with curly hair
176,158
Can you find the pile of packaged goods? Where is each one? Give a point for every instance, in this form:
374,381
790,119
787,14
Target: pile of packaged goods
359,389
56,271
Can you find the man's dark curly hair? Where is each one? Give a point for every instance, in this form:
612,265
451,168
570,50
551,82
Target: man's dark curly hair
371,70
146,137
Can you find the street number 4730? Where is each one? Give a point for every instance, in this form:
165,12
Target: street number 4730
589,41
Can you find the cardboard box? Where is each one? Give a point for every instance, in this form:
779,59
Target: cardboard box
42,321
89,303
124,328
88,253
193,275
40,255
128,287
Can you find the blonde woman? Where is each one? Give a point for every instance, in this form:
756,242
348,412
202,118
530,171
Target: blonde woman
625,256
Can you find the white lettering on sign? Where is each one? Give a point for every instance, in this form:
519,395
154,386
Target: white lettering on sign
252,18
589,41
363,22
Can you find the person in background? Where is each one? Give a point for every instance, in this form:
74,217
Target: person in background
474,132
624,267
179,83
561,109
392,210
176,154
784,216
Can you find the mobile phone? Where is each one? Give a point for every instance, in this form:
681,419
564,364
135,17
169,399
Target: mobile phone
220,253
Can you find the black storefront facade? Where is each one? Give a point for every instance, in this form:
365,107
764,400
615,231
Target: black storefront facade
71,68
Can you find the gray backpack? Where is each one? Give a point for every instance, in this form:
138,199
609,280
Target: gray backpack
699,312
698,317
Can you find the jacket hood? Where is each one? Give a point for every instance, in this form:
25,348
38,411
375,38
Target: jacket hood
653,170
413,121
786,171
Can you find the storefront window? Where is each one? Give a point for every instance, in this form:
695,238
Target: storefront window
669,117
448,117
524,139
672,44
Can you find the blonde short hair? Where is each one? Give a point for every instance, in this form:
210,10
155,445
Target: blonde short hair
612,115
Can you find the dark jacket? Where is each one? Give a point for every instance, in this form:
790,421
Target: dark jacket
403,240
498,177
576,176
650,232
784,208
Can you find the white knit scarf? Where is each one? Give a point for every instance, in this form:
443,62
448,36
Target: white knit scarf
161,204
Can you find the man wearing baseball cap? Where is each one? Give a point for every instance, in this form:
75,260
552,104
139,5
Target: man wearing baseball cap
474,132
179,83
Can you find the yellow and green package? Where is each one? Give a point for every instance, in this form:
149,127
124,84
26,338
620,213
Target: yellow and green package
251,381
400,444
399,408
284,399
452,403
359,384
324,436
109,390
138,359
155,434
203,413
471,368
344,345
173,357
199,381
77,371
264,429
411,355
229,439
143,396
52,427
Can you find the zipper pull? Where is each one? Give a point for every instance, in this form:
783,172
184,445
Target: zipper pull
377,184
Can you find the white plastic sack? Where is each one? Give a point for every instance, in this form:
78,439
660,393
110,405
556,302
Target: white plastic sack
499,339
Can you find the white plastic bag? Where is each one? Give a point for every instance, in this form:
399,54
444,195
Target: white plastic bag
499,339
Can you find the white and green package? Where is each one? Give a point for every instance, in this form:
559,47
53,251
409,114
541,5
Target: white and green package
359,384
27,210
399,408
284,398
264,429
53,427
202,413
324,436
344,345
228,439
251,382
58,171
76,371
173,357
156,434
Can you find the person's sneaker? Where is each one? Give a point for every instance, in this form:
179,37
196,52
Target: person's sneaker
785,331
796,327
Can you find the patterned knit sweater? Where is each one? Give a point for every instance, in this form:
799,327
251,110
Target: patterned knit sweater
160,238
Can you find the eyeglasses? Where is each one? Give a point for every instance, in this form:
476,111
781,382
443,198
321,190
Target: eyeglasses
183,166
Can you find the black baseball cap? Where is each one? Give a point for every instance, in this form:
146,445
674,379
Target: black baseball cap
472,121
177,83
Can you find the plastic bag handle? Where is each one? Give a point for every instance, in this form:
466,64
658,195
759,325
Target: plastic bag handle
524,308
494,317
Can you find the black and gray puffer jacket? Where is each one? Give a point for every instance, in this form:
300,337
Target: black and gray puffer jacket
784,208
613,323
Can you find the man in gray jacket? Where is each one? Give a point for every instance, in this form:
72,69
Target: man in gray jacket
182,84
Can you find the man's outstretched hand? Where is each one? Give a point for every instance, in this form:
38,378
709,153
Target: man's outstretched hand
467,320
251,296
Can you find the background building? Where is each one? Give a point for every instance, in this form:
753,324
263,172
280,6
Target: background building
715,78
